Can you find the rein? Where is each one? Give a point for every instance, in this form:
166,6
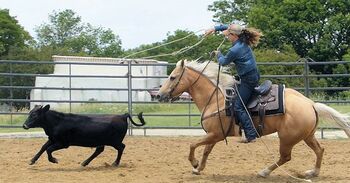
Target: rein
225,134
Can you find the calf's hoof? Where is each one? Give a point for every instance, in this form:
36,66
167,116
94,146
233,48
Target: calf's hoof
32,162
84,163
195,171
53,160
115,164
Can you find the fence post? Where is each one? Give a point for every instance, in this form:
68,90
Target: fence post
306,78
70,88
11,95
129,93
189,114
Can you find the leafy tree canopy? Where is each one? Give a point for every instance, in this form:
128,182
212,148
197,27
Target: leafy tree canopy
11,33
66,33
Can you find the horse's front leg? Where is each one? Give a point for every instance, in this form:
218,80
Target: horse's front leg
206,153
209,140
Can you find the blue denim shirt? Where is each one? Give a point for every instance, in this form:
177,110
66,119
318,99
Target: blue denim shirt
240,54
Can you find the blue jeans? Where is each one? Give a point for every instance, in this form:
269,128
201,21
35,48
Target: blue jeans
246,90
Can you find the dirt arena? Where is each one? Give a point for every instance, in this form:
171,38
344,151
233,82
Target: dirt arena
164,159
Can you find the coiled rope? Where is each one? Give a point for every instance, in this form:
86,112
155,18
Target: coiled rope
182,50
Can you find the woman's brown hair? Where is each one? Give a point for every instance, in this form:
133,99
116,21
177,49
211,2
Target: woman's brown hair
250,36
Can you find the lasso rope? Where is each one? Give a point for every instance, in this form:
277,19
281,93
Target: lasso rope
182,50
171,42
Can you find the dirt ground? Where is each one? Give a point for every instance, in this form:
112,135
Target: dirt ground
164,159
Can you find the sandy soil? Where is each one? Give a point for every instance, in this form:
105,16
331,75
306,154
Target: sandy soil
164,159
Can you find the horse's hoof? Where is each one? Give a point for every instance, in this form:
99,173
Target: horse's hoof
195,164
31,162
195,171
264,173
311,173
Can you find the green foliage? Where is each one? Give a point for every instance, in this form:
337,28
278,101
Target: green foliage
284,55
346,57
11,33
68,35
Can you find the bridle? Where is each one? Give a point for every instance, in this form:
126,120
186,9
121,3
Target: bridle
177,83
182,73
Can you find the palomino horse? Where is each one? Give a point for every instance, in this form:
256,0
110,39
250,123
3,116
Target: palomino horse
298,123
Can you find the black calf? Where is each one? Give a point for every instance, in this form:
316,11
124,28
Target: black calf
66,130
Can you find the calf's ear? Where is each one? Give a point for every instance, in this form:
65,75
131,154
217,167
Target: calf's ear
46,108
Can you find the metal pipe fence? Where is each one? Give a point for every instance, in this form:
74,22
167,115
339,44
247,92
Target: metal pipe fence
11,74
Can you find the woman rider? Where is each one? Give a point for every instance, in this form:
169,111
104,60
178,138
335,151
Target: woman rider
242,56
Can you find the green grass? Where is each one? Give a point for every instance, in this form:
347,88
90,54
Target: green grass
147,109
11,130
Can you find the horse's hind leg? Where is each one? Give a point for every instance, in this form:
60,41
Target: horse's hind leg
285,156
210,139
315,146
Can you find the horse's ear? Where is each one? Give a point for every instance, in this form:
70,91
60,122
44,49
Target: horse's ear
183,63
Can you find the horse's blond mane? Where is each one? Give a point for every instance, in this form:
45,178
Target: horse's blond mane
211,71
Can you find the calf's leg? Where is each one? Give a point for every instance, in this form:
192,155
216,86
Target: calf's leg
120,148
99,150
51,149
43,148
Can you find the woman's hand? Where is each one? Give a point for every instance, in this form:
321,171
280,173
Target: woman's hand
214,53
209,31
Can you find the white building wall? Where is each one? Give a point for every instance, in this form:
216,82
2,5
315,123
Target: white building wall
89,82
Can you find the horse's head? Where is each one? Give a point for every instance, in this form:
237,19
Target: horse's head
174,86
181,79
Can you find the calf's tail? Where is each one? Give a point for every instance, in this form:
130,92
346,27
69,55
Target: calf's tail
342,120
140,118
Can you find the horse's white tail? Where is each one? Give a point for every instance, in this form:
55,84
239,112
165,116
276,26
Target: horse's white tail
327,112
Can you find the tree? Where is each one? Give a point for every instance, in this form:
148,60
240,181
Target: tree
67,34
96,41
63,26
315,28
11,33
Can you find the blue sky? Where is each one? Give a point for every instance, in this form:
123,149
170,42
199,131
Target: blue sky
135,21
